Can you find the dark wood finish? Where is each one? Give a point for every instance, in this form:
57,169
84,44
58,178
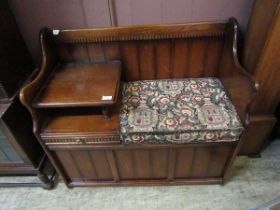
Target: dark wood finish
146,165
258,131
85,126
261,58
15,61
20,152
85,148
276,130
24,156
44,172
235,78
72,85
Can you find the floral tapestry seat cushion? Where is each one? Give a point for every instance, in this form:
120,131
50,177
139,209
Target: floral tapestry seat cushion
177,111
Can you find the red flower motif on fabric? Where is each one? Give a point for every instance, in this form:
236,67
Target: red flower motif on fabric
163,99
197,98
171,123
137,138
186,111
134,88
134,100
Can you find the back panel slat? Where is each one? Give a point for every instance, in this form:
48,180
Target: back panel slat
197,56
152,59
112,51
130,61
181,54
96,52
215,47
163,59
63,52
147,60
79,52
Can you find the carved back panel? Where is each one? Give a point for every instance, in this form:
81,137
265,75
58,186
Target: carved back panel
152,54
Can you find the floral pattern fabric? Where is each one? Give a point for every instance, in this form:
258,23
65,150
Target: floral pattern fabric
177,111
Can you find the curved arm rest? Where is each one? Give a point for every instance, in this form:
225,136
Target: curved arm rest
241,86
28,92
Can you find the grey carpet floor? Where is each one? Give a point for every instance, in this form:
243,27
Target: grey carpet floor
251,183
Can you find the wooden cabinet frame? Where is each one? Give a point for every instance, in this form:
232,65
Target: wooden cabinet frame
146,52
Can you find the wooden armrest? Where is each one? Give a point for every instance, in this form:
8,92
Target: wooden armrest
28,92
241,86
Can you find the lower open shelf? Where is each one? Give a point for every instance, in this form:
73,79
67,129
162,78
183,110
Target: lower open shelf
80,126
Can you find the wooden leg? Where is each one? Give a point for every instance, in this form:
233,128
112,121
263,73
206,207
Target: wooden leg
46,174
47,182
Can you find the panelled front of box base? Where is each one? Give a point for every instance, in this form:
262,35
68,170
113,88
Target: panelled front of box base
143,164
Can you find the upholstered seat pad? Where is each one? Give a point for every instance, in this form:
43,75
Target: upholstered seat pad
177,111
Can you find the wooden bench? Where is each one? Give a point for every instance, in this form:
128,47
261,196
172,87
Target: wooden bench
88,149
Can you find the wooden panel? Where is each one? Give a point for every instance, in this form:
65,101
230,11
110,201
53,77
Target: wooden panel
159,163
112,51
79,52
76,85
68,164
262,16
256,134
214,52
200,162
198,57
142,163
147,60
85,164
171,163
261,58
163,59
113,165
156,59
181,58
152,165
96,52
125,164
78,124
268,74
130,61
184,162
219,156
100,161
63,52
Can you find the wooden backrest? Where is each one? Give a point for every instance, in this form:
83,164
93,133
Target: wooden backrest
148,52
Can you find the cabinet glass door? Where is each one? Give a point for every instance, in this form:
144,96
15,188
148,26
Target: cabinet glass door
7,152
